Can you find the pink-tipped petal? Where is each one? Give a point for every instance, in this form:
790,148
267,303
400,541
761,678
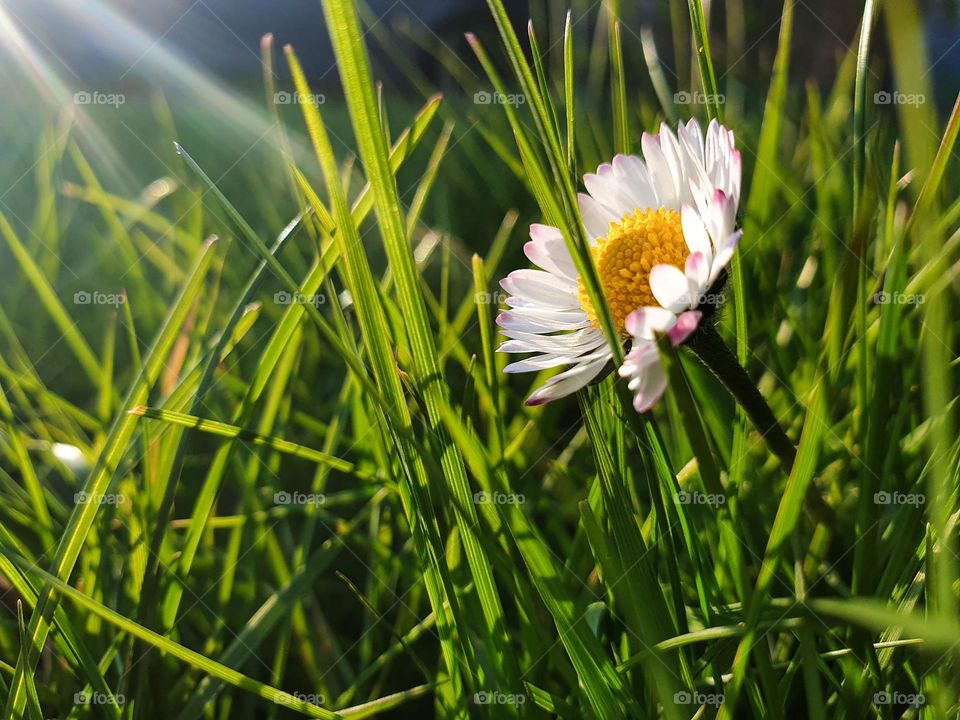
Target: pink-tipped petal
687,323
697,270
647,323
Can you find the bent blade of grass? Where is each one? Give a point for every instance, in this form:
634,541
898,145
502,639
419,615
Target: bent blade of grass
191,657
937,633
222,429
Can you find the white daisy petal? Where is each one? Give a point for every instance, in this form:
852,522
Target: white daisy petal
542,362
691,137
596,218
673,156
697,270
541,287
542,314
646,323
661,177
724,255
694,172
606,188
670,287
695,233
651,388
573,343
532,324
567,382
635,181
547,249
647,379
642,353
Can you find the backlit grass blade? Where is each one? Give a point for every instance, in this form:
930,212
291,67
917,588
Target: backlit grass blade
116,443
701,46
355,75
222,429
373,324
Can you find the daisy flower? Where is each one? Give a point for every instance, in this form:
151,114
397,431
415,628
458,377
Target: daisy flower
662,228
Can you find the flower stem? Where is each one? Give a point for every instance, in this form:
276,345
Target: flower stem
714,353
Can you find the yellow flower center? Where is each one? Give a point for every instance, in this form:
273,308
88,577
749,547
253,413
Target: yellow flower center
625,257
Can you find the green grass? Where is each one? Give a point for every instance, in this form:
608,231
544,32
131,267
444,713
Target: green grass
218,502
